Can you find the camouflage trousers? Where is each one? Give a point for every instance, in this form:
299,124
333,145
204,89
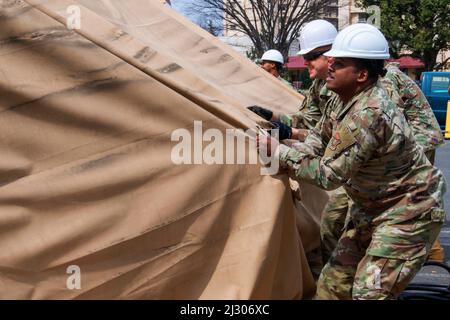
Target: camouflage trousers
332,222
377,261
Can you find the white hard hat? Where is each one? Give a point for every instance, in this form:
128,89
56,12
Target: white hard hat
315,34
273,55
361,40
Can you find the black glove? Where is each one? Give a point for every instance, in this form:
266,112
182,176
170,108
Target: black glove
284,131
260,111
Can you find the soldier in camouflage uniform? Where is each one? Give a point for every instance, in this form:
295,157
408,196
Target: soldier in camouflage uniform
315,39
366,145
422,120
419,115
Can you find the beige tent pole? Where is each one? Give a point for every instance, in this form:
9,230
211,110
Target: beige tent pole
128,48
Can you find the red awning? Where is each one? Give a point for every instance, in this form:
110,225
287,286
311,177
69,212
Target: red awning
296,63
408,62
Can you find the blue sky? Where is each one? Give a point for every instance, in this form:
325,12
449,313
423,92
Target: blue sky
179,4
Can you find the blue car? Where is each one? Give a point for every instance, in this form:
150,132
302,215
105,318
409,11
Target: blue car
436,87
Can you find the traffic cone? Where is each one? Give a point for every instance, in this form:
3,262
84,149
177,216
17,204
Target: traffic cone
436,252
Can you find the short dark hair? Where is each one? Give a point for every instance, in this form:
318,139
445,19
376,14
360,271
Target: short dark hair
375,68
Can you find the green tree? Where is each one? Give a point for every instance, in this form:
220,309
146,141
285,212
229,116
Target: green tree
420,26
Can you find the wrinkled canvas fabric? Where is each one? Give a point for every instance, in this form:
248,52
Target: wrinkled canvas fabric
86,177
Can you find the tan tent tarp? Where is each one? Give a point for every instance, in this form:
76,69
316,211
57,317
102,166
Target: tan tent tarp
86,177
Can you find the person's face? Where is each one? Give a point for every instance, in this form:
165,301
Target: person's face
344,75
268,66
317,63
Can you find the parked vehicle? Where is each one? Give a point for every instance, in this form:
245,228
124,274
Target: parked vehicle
436,87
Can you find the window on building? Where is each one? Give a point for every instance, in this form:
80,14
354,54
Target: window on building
294,48
333,12
362,17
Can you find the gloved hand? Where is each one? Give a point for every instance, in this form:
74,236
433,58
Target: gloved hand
262,112
284,131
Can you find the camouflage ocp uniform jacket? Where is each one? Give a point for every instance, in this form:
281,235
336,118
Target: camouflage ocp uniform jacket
414,105
312,107
367,146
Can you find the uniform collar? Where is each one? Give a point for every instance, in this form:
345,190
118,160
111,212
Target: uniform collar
324,91
354,100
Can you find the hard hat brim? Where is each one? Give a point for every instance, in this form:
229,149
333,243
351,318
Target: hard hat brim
318,45
304,51
359,55
308,50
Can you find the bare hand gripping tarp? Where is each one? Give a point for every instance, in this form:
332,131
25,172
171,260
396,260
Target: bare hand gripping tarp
87,182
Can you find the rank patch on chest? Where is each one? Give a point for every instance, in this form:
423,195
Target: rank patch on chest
335,141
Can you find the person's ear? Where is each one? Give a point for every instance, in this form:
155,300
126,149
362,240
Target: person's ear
363,75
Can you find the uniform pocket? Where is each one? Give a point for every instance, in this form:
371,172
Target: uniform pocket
407,235
384,278
405,241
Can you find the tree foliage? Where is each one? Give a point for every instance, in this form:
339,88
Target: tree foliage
419,26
